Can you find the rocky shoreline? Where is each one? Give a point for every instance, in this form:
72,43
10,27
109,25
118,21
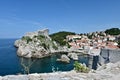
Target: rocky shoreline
38,44
110,71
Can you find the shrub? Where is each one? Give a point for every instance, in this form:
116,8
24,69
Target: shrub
26,38
55,47
44,45
40,37
80,67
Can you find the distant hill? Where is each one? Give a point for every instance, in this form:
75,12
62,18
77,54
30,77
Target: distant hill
113,31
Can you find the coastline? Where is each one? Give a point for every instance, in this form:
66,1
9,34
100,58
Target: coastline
110,71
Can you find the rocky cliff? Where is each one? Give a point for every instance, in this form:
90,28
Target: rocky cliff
39,44
35,44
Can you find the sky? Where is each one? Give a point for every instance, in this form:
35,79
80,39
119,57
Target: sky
81,16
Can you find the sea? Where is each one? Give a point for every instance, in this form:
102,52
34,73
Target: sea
11,64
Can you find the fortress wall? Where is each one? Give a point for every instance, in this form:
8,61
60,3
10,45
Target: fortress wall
109,55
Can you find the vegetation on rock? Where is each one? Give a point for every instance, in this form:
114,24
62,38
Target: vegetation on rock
26,38
45,42
45,46
80,67
40,37
54,46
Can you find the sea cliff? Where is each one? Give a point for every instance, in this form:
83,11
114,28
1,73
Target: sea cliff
36,44
39,44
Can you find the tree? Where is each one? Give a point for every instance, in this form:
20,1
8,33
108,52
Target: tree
113,31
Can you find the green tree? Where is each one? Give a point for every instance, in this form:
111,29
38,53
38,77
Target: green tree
113,31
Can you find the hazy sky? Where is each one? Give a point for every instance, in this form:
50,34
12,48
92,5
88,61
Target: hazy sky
20,16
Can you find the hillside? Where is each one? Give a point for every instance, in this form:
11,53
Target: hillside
60,37
113,31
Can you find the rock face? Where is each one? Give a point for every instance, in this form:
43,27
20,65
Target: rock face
74,56
64,58
35,44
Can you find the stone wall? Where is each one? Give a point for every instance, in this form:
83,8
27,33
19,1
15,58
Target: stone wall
44,32
31,34
109,55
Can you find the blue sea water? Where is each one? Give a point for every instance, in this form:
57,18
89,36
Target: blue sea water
10,63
